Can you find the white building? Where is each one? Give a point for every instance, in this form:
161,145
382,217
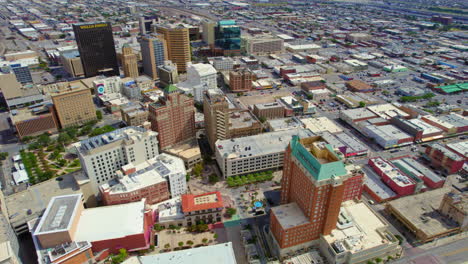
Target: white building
239,156
200,77
107,85
101,156
222,63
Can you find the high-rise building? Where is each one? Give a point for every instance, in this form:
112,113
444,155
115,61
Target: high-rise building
97,51
129,62
315,183
200,78
225,122
240,80
208,33
168,73
178,45
73,106
145,23
72,62
154,53
22,73
173,117
261,45
227,37
101,156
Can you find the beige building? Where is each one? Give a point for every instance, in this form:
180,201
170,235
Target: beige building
72,63
269,110
168,73
208,33
260,45
178,45
454,205
74,107
129,62
10,87
223,122
189,152
134,115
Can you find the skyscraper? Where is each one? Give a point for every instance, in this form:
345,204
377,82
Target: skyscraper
129,62
154,53
173,117
315,183
145,23
227,37
97,51
208,32
178,45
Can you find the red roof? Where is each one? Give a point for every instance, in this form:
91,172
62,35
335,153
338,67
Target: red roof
188,202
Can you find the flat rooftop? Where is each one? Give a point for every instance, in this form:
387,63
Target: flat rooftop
376,185
199,202
59,214
259,145
460,147
455,119
421,210
219,253
31,203
392,172
389,132
365,231
320,124
169,210
284,124
351,142
108,138
241,119
447,152
421,169
387,111
427,128
111,222
289,215
185,151
359,113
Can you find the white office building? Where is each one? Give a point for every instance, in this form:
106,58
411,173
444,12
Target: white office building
107,85
240,156
200,77
101,156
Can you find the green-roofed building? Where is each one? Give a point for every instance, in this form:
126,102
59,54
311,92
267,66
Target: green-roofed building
453,88
315,182
170,89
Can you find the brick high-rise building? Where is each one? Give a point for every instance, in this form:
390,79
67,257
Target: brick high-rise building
173,117
73,107
178,45
240,80
129,62
315,183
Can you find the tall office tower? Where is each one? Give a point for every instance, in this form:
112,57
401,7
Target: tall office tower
223,122
129,62
101,156
240,80
74,107
154,53
22,73
173,117
315,183
178,45
145,23
208,34
227,37
97,51
168,73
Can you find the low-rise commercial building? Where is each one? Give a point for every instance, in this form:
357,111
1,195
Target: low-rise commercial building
320,124
420,130
134,114
206,208
446,157
73,106
393,177
388,136
35,121
260,45
361,235
254,153
269,110
155,180
426,214
417,171
189,152
359,86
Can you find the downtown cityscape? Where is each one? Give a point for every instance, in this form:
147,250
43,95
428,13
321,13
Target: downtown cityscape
233,131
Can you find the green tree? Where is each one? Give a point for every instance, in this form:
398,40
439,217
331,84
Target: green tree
64,138
231,211
262,119
362,104
44,140
181,244
197,169
215,236
98,114
187,177
213,178
204,240
167,246
3,155
189,242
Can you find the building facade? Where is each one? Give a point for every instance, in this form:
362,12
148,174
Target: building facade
74,107
153,53
22,73
269,110
134,115
228,37
315,183
208,33
173,117
168,73
206,208
262,45
72,63
445,158
178,45
129,62
101,156
240,80
97,49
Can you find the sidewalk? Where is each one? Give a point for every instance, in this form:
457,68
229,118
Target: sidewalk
443,241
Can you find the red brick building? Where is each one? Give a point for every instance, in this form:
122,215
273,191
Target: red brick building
446,158
240,80
173,117
315,183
